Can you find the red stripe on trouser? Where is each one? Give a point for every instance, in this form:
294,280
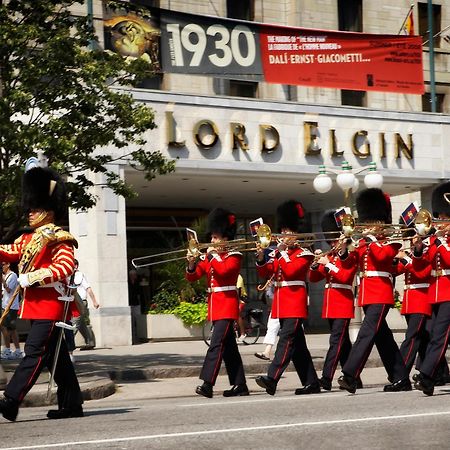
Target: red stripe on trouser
364,360
38,366
444,349
336,359
220,355
288,345
412,342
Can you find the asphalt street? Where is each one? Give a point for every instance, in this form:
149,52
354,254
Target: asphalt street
144,415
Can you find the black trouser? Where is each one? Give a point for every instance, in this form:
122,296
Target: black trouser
223,346
440,330
39,351
375,330
340,346
292,346
416,340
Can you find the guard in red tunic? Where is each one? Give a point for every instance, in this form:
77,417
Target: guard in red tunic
415,307
289,265
338,268
221,268
376,296
437,255
46,261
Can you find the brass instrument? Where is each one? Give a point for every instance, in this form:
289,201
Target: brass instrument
195,249
424,222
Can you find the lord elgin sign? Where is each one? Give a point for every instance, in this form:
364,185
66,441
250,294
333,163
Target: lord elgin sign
206,135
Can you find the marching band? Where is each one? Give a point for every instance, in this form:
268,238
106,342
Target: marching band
365,268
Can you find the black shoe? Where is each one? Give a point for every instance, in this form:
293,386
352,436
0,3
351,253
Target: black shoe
236,391
313,388
348,383
398,386
9,408
439,381
424,384
206,389
269,384
66,413
359,383
325,383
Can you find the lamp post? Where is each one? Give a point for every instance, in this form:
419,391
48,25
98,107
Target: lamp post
347,181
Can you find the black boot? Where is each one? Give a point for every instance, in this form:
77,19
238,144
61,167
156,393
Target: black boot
9,408
269,384
398,386
348,383
206,389
66,413
236,391
325,383
313,388
425,384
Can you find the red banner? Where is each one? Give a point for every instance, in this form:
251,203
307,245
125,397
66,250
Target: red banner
343,60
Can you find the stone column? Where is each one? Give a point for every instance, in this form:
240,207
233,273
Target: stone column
102,254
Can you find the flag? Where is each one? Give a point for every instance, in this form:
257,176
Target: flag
408,24
409,214
339,214
254,225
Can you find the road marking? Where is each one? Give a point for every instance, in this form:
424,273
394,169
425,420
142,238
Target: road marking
231,430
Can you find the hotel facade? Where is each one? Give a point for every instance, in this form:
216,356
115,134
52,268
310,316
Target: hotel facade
250,145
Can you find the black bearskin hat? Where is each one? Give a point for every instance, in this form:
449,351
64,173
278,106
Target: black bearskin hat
373,205
43,188
291,215
439,203
222,222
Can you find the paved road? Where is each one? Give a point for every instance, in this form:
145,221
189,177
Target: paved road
143,415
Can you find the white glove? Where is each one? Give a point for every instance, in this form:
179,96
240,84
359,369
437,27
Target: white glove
23,280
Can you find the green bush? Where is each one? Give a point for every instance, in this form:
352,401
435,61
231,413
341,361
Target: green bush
164,302
191,313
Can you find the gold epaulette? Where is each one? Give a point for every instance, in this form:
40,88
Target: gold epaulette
64,236
53,234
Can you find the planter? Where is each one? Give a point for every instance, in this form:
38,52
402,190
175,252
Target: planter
168,327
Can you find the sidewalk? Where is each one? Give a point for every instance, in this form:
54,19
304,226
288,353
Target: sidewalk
100,369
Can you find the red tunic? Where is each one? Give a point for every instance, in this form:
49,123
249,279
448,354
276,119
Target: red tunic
290,268
222,272
375,263
417,282
338,300
40,300
437,256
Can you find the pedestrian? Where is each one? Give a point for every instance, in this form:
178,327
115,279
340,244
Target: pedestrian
9,327
436,253
221,266
289,265
375,256
338,268
46,261
81,321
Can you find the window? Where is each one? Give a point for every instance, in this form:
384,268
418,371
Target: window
243,88
426,102
242,9
423,23
350,15
353,98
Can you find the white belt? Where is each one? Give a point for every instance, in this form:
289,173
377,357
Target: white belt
57,285
222,289
339,286
416,286
289,283
440,273
376,273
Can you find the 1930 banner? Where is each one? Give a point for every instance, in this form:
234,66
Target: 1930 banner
193,44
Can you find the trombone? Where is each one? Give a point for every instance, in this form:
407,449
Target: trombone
195,248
